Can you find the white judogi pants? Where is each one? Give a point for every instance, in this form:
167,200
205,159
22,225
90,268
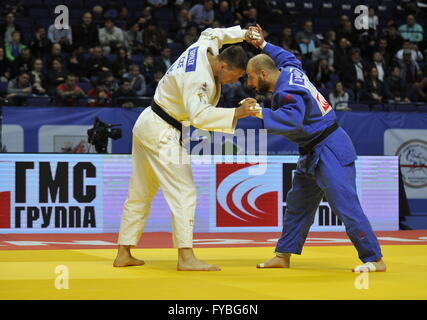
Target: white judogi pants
158,160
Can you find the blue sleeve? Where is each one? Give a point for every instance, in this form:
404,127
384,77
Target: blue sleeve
288,116
281,57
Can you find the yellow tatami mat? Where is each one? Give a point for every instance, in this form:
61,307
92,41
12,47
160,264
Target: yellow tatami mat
320,273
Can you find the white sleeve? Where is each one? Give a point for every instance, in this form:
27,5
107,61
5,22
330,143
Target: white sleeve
217,37
120,35
202,114
50,34
332,100
102,37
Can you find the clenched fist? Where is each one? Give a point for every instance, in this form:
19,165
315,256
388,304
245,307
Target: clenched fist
257,38
248,107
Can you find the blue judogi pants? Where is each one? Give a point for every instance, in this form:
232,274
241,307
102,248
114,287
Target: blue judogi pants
338,184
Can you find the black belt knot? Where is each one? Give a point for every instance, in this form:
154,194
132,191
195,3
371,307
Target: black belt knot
166,117
309,147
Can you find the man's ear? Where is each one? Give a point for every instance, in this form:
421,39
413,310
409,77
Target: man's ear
224,65
264,74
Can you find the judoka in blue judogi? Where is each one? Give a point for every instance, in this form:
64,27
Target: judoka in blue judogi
326,165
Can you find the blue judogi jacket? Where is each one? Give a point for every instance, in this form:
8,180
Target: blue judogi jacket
300,113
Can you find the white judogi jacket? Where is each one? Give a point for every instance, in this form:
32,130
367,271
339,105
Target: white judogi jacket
189,92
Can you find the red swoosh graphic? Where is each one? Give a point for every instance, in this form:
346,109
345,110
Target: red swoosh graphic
248,207
242,215
322,100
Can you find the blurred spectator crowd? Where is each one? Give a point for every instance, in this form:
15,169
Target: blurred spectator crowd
116,51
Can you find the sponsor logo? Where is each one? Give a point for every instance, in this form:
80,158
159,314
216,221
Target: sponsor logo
204,87
322,103
413,163
45,198
243,200
297,77
202,92
191,60
202,97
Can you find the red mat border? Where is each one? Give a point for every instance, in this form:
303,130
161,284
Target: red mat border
201,240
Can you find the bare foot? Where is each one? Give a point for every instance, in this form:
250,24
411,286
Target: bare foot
127,262
187,261
380,266
276,262
125,259
196,265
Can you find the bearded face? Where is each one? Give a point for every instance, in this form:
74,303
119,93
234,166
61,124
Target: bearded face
262,87
257,80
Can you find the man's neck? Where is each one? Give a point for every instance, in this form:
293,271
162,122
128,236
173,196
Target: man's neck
213,61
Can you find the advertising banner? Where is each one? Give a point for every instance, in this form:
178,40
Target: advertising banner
410,145
51,193
245,202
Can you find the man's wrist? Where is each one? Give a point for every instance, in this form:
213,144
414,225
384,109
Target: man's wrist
263,44
235,113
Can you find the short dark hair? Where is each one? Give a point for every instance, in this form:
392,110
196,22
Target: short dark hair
58,60
235,57
354,50
125,79
131,23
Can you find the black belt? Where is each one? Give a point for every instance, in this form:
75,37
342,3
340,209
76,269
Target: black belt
162,114
309,147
